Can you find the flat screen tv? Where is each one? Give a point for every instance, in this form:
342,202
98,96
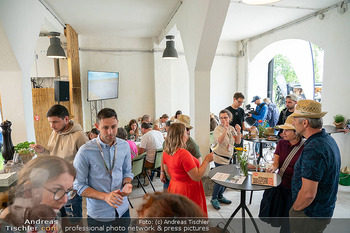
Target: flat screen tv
102,85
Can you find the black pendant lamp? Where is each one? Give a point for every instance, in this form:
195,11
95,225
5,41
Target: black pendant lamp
170,51
55,49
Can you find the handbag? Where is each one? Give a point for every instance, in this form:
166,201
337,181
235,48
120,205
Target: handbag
273,202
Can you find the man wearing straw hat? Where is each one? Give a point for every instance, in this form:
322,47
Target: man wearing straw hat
316,173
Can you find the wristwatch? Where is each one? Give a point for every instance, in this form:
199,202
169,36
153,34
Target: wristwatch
126,182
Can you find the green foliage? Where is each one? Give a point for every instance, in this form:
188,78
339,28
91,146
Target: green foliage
338,118
24,147
317,61
282,67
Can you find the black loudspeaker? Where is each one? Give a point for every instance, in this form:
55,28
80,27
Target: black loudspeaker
61,91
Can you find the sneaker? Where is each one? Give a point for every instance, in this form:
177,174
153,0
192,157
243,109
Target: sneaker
215,203
224,200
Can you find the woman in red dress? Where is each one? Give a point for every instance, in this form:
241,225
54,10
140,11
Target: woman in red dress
185,171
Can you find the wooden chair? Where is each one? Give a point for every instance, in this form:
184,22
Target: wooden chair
157,163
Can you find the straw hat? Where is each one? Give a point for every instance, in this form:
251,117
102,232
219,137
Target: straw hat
186,120
287,125
308,109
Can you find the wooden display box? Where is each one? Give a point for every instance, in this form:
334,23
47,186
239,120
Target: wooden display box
264,178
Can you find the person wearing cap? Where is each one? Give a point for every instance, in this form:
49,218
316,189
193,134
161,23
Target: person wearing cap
291,102
284,152
316,173
261,110
191,146
159,124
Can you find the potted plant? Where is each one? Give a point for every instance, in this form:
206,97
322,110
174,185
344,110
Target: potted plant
24,150
242,159
261,127
339,121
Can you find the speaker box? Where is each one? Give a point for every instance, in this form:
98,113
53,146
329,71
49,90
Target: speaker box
61,91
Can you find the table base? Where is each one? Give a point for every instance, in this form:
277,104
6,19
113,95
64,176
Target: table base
244,208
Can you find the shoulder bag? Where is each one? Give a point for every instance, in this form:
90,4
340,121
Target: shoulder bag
273,202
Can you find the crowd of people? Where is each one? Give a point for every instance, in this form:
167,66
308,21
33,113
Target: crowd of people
98,166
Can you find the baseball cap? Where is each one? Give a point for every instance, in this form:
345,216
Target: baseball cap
255,98
292,97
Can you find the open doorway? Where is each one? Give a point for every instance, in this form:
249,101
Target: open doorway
287,67
285,81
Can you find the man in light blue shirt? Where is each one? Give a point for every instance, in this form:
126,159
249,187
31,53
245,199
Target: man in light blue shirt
104,171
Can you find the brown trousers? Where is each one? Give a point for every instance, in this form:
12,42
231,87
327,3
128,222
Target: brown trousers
301,223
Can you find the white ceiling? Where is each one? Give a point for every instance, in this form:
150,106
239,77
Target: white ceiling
147,18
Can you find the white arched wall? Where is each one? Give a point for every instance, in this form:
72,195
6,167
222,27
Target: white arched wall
298,52
333,35
20,23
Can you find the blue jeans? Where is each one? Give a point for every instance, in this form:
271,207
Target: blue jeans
117,225
73,208
218,189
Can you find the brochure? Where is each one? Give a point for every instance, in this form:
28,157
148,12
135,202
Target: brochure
225,177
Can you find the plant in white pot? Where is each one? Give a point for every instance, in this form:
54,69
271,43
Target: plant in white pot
339,121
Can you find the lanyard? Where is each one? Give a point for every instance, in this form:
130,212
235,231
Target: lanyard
103,158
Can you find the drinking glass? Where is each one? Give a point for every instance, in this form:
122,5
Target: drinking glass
214,146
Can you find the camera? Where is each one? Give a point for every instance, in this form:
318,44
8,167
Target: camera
248,110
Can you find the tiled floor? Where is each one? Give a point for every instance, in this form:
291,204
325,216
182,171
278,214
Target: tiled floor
341,209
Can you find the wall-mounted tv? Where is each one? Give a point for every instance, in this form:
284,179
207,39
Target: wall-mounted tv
102,85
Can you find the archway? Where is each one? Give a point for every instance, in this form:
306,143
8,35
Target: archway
298,69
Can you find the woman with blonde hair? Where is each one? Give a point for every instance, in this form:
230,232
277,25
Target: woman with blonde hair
185,171
43,187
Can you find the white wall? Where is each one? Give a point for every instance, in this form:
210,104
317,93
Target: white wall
136,75
171,81
333,35
21,21
223,82
19,38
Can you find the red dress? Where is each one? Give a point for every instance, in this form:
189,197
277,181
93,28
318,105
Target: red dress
181,183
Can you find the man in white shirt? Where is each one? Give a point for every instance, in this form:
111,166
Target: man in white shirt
150,142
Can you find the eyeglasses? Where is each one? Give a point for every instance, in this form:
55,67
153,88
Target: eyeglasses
59,193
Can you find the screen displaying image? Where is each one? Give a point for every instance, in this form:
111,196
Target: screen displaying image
102,85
